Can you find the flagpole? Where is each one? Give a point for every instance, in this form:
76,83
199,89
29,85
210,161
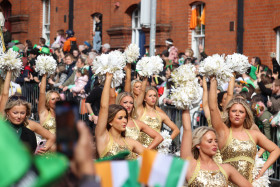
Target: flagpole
153,27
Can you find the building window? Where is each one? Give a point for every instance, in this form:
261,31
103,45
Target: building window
136,27
46,21
197,25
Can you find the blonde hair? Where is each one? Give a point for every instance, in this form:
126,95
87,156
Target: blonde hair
190,51
197,135
48,97
12,103
249,120
146,91
132,85
121,96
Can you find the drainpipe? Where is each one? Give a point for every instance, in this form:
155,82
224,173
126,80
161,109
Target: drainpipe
240,28
153,27
71,14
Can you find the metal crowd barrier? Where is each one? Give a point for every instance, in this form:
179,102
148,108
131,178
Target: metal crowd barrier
31,92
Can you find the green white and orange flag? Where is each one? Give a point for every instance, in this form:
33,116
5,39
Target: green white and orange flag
122,173
162,170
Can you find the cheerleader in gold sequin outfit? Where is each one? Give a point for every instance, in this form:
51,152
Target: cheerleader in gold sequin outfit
46,106
199,147
147,113
111,126
134,126
236,141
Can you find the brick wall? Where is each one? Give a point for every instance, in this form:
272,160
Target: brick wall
173,19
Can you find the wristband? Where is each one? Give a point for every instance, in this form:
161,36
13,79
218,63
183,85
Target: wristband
91,114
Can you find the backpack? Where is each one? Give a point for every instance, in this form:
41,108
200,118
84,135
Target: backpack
73,46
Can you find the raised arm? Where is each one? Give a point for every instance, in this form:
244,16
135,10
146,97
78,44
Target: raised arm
230,89
101,130
205,104
216,119
42,95
140,98
152,133
112,98
186,146
127,85
5,92
175,130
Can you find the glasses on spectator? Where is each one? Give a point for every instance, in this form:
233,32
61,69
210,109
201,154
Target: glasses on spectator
17,97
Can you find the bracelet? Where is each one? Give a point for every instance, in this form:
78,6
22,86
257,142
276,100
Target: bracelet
91,114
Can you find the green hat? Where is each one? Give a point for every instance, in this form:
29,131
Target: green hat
253,72
15,41
18,165
15,48
244,89
45,50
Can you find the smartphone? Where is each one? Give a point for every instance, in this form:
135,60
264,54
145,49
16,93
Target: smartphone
40,145
67,116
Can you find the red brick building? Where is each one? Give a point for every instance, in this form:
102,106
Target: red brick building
32,19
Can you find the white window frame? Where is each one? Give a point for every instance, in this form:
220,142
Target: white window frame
198,38
278,44
46,25
135,26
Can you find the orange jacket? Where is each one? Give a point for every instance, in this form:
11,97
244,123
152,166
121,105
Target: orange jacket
67,44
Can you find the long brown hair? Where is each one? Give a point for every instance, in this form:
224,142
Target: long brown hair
113,110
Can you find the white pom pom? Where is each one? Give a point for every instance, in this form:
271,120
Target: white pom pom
132,52
10,61
263,181
163,147
114,63
183,74
238,63
45,64
148,66
185,95
215,66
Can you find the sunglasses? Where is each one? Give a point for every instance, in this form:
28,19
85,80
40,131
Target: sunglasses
17,97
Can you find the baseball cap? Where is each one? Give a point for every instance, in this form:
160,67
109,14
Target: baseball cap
19,167
106,45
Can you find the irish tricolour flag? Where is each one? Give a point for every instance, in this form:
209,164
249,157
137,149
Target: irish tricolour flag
162,170
118,173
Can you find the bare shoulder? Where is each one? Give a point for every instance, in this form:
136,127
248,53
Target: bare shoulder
32,125
159,109
130,140
228,168
162,114
254,133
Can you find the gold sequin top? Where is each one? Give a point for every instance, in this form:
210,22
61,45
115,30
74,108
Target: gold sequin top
153,122
132,132
114,148
201,178
217,157
240,154
50,123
